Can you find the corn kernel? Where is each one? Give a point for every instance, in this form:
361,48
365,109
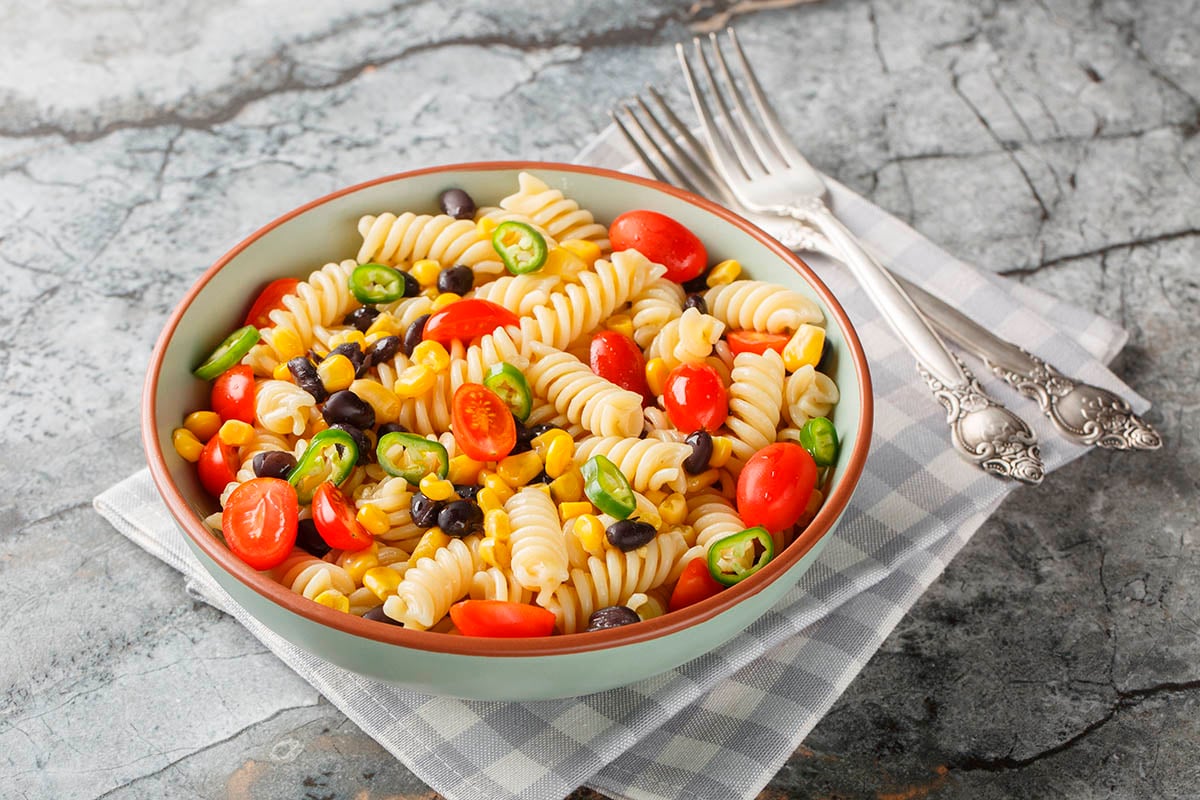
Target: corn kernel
382,400
489,500
804,348
673,510
575,509
332,598
725,272
203,424
432,541
287,344
560,261
384,325
436,488
336,373
374,519
558,449
588,251
520,469
414,381
186,444
236,433
346,337
722,450
656,496
281,372
621,323
491,480
382,581
497,525
430,292
702,481
464,470
444,299
426,271
485,226
589,530
357,564
315,426
495,553
567,487
656,375
432,354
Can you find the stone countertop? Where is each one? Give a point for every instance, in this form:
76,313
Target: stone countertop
1054,141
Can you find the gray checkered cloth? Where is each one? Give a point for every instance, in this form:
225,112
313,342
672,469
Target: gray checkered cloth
721,726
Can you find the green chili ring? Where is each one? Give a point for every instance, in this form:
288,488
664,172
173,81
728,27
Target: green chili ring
520,247
376,283
412,457
740,555
510,386
607,487
820,439
330,456
228,353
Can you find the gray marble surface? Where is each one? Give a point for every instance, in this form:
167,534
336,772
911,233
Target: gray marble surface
1051,140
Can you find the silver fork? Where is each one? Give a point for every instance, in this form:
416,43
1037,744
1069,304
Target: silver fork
767,174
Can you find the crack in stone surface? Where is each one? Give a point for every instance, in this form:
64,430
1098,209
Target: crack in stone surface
1100,251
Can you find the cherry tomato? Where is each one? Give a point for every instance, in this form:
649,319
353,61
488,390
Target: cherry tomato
466,319
482,424
775,485
269,299
217,466
260,521
755,342
662,240
233,394
501,618
695,584
334,517
616,358
695,397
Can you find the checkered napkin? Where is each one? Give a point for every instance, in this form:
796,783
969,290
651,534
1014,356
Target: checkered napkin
721,726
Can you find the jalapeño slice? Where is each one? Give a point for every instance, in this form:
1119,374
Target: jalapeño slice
820,439
228,353
740,555
376,283
510,386
412,457
607,487
330,457
520,247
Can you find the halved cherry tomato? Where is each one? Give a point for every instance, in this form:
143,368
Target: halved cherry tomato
616,358
775,485
217,466
482,424
466,319
270,299
695,584
662,240
260,521
755,342
501,618
695,398
334,517
233,394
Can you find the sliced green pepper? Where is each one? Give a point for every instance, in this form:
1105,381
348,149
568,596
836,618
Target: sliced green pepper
820,439
376,283
228,353
607,488
330,456
510,385
520,247
740,555
412,457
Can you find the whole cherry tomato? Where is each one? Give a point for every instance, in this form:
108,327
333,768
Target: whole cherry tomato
501,618
755,342
270,299
695,584
482,424
466,319
775,485
662,240
617,358
217,466
335,519
260,521
695,398
233,394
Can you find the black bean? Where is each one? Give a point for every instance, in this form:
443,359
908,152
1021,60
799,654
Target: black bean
629,534
823,362
412,336
361,317
366,451
411,287
308,540
384,349
377,615
350,350
391,427
612,617
698,284
541,477
459,279
466,492
702,449
346,407
461,518
425,511
305,375
697,302
273,464
457,204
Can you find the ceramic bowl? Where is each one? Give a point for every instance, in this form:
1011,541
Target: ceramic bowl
496,669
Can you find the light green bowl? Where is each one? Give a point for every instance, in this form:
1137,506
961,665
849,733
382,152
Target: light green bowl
493,669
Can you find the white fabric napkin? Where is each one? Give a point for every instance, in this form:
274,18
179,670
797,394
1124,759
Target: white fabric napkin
721,726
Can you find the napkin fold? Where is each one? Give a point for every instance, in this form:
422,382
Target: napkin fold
721,726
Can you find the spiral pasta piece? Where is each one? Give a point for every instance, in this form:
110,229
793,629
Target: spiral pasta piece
539,551
308,575
393,497
648,464
688,339
552,211
712,516
282,407
659,302
494,583
432,585
807,394
390,239
583,396
520,294
761,306
755,397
